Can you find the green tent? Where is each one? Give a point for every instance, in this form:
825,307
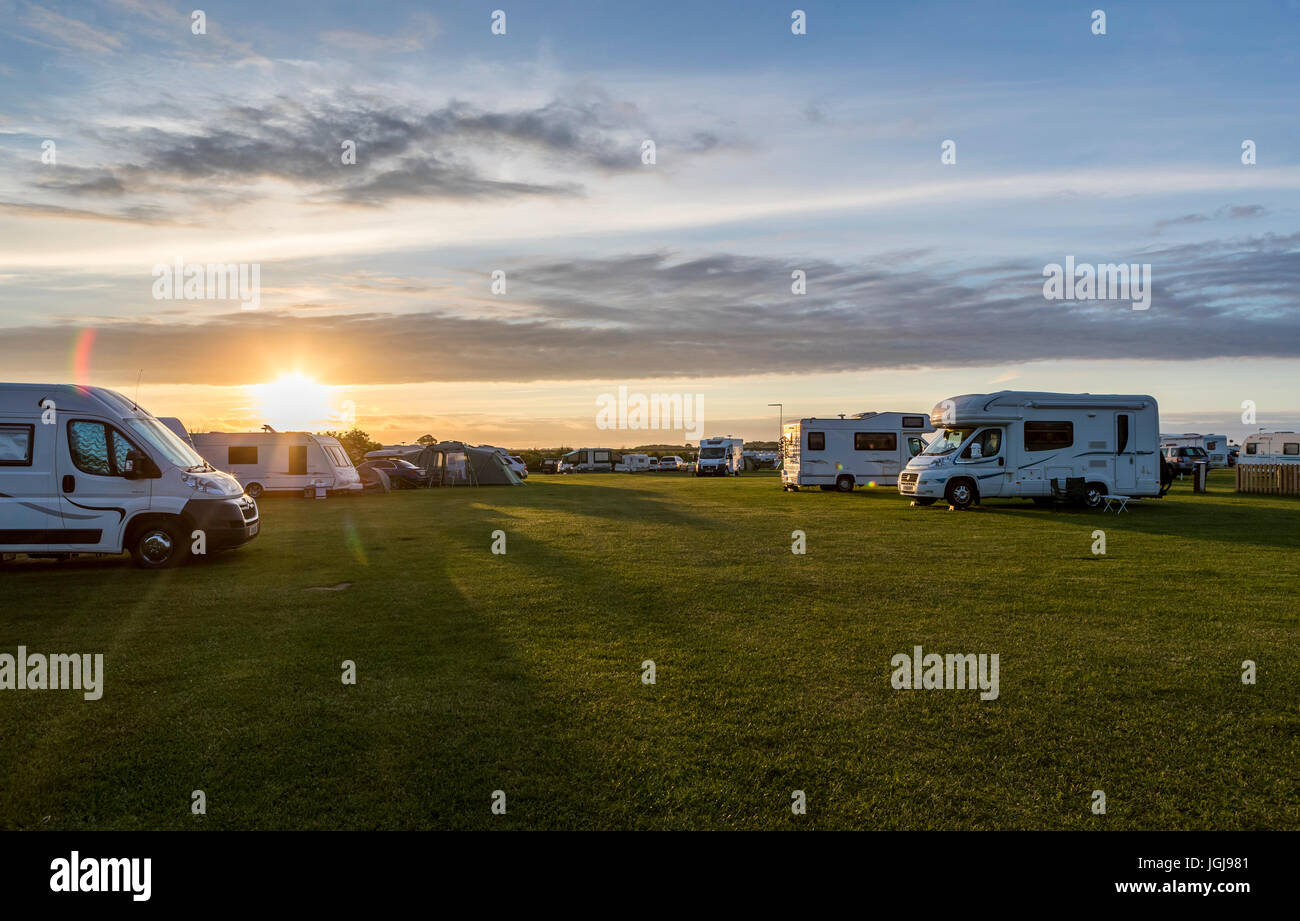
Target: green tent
454,463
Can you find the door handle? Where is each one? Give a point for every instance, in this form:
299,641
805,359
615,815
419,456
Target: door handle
69,483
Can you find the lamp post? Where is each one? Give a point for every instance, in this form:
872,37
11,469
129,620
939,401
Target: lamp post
780,420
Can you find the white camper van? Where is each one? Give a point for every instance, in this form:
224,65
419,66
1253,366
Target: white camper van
1216,446
841,453
280,461
85,470
720,457
1270,448
1016,443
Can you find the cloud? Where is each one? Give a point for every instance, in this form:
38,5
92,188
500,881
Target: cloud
648,315
419,31
1228,212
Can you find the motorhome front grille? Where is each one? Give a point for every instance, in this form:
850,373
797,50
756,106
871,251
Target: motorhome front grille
908,477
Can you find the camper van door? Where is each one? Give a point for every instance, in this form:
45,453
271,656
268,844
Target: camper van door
29,508
93,482
1126,457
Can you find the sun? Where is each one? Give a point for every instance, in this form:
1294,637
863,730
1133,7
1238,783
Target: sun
293,403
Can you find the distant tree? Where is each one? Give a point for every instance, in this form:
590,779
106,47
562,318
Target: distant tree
426,440
356,443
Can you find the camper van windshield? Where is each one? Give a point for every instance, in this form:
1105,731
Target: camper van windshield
712,453
947,440
164,441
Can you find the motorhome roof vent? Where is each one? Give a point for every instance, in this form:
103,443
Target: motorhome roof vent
863,415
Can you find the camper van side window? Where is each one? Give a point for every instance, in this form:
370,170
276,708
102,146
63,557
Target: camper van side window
914,422
1250,448
875,441
1291,447
601,457
16,445
241,454
97,448
1048,436
816,441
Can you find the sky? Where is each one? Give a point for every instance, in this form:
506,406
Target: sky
131,140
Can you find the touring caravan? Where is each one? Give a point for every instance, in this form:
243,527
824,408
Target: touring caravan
85,470
841,453
1216,446
633,463
590,460
720,457
178,428
1270,448
280,461
1016,443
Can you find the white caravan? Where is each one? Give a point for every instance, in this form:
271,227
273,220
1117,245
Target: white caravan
1016,443
280,461
633,463
1216,446
1270,448
720,456
841,453
85,470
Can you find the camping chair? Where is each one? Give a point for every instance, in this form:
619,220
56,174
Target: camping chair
1072,492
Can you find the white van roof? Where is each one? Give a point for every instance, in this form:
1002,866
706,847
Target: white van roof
1010,405
68,398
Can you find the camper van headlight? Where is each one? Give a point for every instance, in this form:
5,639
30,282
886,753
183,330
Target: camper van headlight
203,484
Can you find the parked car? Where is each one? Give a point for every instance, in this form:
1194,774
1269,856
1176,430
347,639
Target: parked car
550,465
400,473
516,463
672,462
1183,458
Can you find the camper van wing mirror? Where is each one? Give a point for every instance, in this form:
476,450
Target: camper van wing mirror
139,466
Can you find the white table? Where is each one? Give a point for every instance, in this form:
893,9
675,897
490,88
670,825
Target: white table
1121,502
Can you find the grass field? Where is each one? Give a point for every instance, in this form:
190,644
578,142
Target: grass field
522,672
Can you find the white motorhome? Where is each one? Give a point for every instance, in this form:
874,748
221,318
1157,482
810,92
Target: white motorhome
280,461
1016,443
720,456
860,450
1216,446
85,470
589,460
1270,448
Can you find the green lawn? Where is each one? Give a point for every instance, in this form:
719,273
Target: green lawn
522,672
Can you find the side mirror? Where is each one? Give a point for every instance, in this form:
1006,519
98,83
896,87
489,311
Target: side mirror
139,466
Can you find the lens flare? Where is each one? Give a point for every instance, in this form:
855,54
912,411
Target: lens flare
81,357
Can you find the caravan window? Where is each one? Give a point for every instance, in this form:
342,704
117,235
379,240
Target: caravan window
601,457
875,441
1250,448
1048,436
241,454
16,445
97,448
1291,447
914,422
816,441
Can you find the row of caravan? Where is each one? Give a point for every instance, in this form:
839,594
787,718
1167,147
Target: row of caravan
977,446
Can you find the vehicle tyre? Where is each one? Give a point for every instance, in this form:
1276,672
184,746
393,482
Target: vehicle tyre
254,490
160,544
960,494
924,500
844,484
1092,494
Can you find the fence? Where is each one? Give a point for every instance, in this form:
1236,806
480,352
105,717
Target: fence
1276,479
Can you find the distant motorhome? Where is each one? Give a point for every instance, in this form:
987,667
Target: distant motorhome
590,460
1270,448
86,470
1216,446
1021,443
867,449
266,462
720,456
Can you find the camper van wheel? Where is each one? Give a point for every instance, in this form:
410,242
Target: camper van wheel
844,484
254,490
960,494
1092,495
159,543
